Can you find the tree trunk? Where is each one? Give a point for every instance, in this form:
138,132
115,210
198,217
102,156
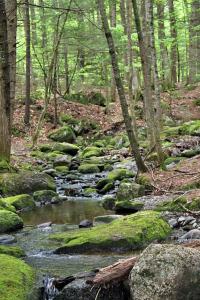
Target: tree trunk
28,63
133,142
5,104
11,12
112,16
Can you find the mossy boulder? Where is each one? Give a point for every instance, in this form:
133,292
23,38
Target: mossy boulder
190,128
6,206
12,250
20,202
92,151
4,166
9,221
63,170
128,206
16,278
120,174
88,168
130,190
25,182
191,152
171,131
145,180
63,134
108,202
63,160
171,161
89,191
127,233
108,187
66,148
44,196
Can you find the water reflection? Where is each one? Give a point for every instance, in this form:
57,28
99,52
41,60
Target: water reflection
70,211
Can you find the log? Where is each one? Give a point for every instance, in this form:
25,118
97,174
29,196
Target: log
114,273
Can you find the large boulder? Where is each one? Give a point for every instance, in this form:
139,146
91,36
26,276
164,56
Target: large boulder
127,233
120,174
45,196
166,272
12,250
9,221
92,151
25,182
63,134
20,202
61,147
129,190
16,278
88,168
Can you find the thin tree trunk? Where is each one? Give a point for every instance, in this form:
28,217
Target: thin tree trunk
5,96
133,142
28,64
112,16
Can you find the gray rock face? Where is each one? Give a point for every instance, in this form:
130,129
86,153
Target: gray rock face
193,234
85,224
7,239
166,272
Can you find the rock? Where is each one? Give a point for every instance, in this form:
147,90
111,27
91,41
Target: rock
127,233
7,239
173,223
88,169
9,221
16,278
108,203
85,224
44,196
145,180
102,183
20,202
108,187
128,206
4,166
107,218
12,250
190,128
80,290
166,272
6,206
193,234
129,191
63,160
63,134
62,170
91,151
51,172
89,192
120,174
25,182
44,225
67,148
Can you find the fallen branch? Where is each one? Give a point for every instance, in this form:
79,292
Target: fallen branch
114,273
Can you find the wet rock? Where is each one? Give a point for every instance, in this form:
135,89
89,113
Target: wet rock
85,224
44,196
63,134
107,218
129,191
193,234
128,206
9,221
173,223
20,202
88,168
166,272
51,172
7,239
63,160
44,225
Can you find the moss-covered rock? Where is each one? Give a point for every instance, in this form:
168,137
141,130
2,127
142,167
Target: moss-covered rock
108,203
179,204
63,134
102,182
128,206
191,152
129,190
66,148
6,206
9,221
12,250
128,233
190,128
108,187
171,131
16,278
4,166
88,168
63,170
25,182
145,180
89,191
20,202
120,174
44,196
171,160
92,151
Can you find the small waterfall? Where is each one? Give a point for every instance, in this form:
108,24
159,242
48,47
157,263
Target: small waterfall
50,291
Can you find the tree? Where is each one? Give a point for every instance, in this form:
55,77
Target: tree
5,105
133,142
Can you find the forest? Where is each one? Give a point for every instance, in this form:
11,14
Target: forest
99,149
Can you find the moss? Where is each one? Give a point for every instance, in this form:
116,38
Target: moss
145,180
172,205
91,151
68,119
25,182
128,206
108,203
128,233
190,153
44,195
6,206
66,148
89,191
51,156
190,128
16,278
12,250
171,160
108,187
37,154
128,191
100,144
20,201
197,102
120,174
4,166
88,168
171,131
63,134
62,169
9,221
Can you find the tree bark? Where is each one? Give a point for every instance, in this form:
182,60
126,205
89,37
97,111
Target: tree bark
5,104
28,64
133,142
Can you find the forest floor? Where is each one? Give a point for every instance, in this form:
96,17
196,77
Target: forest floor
180,105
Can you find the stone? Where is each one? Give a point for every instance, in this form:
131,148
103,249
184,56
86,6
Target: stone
85,224
166,272
12,250
44,196
88,169
20,202
63,160
107,218
67,148
128,233
193,234
9,221
173,223
128,206
25,182
108,202
129,191
51,172
44,225
63,134
120,174
92,151
7,239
